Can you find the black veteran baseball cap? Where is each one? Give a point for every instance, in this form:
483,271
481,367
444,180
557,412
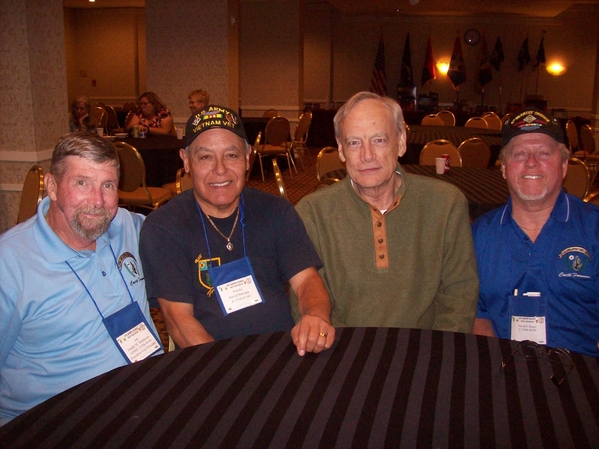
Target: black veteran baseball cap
213,116
531,120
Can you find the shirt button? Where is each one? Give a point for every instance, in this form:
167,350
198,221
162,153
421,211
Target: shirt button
379,224
380,240
381,256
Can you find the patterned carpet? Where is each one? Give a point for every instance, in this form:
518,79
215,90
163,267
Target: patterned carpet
300,185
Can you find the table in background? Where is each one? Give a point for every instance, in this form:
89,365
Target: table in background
420,135
376,387
484,188
161,156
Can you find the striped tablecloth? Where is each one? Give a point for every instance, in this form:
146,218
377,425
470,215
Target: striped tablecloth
377,387
485,189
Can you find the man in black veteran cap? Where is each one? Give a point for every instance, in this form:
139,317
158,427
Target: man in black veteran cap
217,257
538,255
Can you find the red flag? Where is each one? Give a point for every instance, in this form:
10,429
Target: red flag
429,71
485,74
457,67
378,83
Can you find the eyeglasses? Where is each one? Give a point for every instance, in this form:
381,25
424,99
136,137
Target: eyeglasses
557,356
143,103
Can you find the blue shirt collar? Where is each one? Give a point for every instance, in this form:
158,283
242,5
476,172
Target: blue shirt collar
560,212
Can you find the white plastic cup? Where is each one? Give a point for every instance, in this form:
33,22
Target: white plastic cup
440,165
179,133
100,131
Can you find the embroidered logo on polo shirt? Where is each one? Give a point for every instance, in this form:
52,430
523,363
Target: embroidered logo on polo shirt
576,258
128,261
203,275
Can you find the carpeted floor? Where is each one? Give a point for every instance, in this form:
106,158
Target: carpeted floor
300,185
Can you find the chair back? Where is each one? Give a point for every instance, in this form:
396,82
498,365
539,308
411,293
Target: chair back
572,134
578,178
587,139
476,122
475,153
493,120
432,120
100,116
183,181
128,118
271,113
112,120
504,118
32,193
277,131
279,179
129,105
133,168
592,198
253,153
437,148
303,126
447,116
328,162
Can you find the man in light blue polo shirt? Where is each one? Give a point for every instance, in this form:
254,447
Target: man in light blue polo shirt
72,291
537,255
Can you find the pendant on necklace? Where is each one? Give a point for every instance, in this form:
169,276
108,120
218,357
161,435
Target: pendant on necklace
229,246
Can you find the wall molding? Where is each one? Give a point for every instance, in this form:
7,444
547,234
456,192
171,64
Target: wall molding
11,187
26,156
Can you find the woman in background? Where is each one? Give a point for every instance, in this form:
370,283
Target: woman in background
152,117
82,118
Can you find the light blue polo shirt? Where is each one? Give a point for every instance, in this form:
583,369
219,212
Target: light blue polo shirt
561,264
52,336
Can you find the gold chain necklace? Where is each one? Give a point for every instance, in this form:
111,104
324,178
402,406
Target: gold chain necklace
526,229
229,245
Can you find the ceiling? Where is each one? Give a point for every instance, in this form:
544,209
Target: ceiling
530,8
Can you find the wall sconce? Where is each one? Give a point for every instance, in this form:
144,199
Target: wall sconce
556,69
443,67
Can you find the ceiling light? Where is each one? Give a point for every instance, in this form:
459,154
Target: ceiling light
556,68
443,67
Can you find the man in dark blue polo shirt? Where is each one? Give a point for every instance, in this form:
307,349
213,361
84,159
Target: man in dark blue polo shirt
537,255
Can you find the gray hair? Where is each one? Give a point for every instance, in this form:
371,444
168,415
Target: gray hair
86,145
390,104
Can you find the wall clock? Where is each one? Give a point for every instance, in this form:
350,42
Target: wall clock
472,36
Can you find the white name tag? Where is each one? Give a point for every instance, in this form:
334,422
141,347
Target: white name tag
238,294
138,343
529,328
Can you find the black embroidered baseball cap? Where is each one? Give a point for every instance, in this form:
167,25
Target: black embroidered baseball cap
211,117
531,120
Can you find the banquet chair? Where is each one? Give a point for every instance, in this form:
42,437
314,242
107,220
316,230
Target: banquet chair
592,198
447,116
133,191
437,148
276,143
32,193
493,120
587,142
505,117
475,153
328,164
182,182
279,179
129,105
298,143
128,118
572,134
253,154
432,120
100,116
112,121
271,113
578,179
476,122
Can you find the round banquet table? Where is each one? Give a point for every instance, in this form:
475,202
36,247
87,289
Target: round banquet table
376,387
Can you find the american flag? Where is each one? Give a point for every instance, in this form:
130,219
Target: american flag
378,84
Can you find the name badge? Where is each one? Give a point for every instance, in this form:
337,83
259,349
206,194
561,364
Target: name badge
529,318
131,334
235,286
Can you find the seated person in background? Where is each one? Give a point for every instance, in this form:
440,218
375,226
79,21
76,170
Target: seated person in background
65,273
153,117
198,99
396,248
221,234
81,118
537,255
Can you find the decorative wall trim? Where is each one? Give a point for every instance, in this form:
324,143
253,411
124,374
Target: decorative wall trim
11,187
25,156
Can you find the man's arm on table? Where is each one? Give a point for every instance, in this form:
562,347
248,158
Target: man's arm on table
482,326
313,332
182,325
